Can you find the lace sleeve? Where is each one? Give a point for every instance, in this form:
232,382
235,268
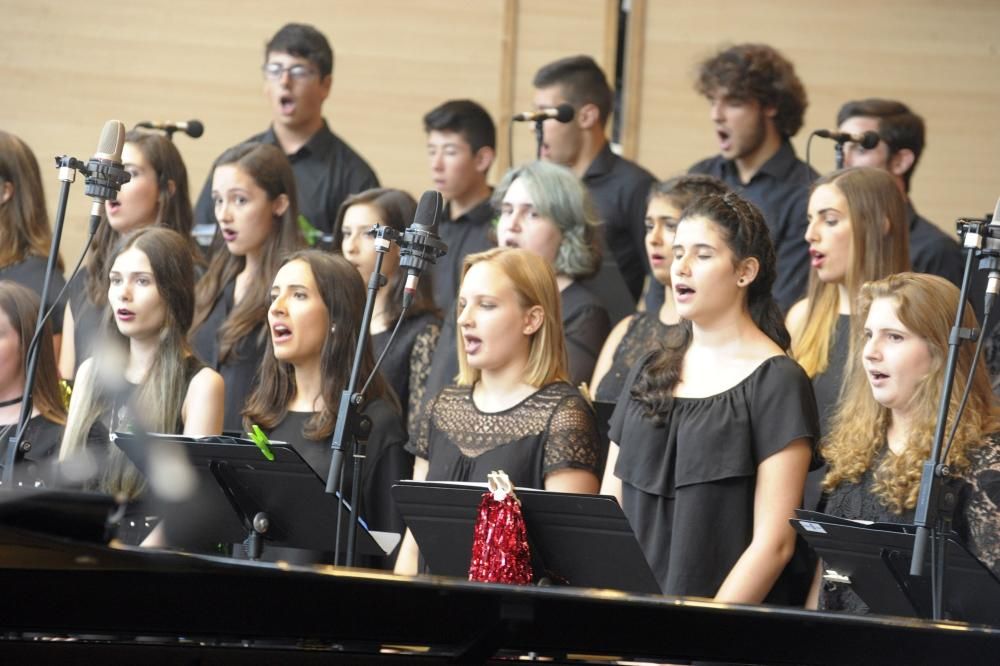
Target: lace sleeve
420,369
572,440
983,509
420,437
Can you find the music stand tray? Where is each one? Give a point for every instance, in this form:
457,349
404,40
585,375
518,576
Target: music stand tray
580,540
875,560
236,483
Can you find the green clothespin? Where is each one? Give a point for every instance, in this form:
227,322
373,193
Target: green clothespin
309,232
262,442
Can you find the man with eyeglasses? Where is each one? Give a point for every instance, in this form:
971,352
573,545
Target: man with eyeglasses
298,73
901,140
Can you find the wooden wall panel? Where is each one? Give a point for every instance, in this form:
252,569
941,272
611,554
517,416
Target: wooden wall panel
943,59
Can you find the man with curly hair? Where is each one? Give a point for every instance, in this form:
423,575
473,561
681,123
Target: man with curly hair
756,105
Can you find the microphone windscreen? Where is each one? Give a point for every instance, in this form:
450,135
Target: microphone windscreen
564,113
428,211
869,140
112,141
195,128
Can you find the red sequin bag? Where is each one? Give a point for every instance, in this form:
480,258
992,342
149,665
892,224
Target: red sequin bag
500,552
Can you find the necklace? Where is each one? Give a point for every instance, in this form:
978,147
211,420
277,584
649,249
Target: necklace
12,401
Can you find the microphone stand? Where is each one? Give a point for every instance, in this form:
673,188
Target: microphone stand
838,155
68,166
539,138
350,423
937,499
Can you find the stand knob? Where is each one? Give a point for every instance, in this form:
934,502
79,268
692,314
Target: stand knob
261,523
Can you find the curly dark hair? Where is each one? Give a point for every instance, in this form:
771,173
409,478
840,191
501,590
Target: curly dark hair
757,72
746,234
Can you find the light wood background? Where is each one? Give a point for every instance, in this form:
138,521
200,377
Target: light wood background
67,68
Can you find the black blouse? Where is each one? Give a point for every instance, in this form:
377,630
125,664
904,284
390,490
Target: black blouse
386,460
88,319
977,518
38,465
645,333
688,484
239,370
408,362
826,385
551,429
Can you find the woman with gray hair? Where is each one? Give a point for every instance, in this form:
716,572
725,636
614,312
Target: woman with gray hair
545,209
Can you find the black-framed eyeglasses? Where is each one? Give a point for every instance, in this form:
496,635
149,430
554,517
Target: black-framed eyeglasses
273,71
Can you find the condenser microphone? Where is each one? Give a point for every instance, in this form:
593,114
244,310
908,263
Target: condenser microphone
105,174
193,128
993,279
563,113
420,245
867,140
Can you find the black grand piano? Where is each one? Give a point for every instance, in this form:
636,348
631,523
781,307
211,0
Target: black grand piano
67,599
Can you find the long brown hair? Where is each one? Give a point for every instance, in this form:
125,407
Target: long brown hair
873,201
926,305
742,226
271,171
534,283
395,209
20,304
343,293
173,209
24,220
160,397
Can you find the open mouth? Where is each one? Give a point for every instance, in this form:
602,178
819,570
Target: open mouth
113,206
124,314
876,375
817,258
725,140
287,103
229,235
512,242
280,333
683,290
472,344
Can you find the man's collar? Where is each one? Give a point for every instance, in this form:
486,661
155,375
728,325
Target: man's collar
319,142
777,166
481,211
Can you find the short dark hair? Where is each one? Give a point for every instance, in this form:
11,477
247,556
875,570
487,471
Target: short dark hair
757,72
303,41
465,117
898,126
582,81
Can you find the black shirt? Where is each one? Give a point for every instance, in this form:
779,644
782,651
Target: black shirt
90,322
932,250
408,361
620,189
470,232
780,188
31,274
327,171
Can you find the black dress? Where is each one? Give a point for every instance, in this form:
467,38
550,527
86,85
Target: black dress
688,484
408,362
977,518
551,429
826,385
89,320
644,334
586,326
31,274
239,369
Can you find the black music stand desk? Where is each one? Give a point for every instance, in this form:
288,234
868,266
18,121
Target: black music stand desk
240,495
580,540
874,559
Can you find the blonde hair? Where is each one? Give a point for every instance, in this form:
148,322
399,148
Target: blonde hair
535,284
873,199
926,305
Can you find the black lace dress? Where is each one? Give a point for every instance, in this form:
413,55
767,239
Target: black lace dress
408,362
644,334
688,483
977,518
551,429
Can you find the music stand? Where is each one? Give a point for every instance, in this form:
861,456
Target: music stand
875,560
67,514
241,496
580,540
